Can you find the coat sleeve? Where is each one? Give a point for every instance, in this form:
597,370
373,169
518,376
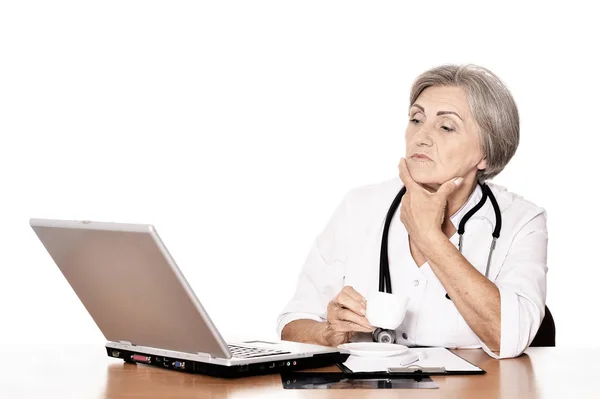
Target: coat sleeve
522,285
322,275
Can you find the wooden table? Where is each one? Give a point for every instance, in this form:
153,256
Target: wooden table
86,372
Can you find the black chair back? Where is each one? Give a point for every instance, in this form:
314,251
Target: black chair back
546,335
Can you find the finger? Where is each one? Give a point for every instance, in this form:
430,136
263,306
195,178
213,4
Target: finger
348,315
406,178
354,294
448,187
346,301
348,326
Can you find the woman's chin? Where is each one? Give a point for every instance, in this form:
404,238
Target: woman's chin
425,178
424,174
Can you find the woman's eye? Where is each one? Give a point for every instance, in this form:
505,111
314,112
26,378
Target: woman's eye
415,121
448,128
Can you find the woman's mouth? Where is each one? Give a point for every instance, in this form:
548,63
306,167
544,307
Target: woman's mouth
420,157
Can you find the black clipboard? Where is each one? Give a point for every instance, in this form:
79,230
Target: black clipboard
332,380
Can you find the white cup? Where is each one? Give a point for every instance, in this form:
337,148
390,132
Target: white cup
386,310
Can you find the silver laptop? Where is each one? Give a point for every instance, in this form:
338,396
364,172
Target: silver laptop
132,288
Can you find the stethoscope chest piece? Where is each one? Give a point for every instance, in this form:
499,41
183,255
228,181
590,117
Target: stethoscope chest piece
384,336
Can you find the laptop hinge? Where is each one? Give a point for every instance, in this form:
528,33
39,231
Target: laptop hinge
206,355
125,342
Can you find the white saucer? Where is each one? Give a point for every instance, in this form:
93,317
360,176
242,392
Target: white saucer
373,349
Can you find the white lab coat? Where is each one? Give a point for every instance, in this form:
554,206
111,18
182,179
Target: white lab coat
347,252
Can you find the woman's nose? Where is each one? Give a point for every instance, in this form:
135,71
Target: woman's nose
423,136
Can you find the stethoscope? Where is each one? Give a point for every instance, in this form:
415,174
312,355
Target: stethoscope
385,281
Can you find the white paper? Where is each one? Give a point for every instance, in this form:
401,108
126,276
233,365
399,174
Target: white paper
428,357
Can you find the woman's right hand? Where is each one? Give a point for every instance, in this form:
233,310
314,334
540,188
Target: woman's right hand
345,317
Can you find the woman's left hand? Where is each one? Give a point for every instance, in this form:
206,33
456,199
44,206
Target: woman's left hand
422,212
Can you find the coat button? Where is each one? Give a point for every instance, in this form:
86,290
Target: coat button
404,336
416,283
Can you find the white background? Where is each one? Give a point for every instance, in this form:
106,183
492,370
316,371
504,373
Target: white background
236,129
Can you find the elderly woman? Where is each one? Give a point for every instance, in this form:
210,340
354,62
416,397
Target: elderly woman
476,284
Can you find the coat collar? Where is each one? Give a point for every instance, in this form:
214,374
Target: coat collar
473,200
504,199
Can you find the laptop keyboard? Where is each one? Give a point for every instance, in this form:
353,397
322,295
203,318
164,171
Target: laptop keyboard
246,352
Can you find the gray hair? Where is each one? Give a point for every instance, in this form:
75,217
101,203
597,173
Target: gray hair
492,106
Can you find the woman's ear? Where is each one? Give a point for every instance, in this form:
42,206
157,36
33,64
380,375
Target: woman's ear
482,164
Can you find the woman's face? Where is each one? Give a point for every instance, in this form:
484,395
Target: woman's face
442,140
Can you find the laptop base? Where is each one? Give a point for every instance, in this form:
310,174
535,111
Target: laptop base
217,370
